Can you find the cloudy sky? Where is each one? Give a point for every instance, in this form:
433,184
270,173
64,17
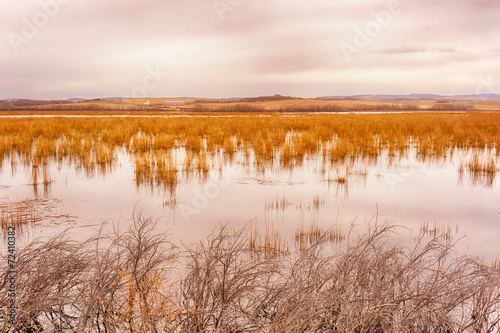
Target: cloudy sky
226,48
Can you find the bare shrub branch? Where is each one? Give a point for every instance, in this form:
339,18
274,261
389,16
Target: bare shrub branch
127,283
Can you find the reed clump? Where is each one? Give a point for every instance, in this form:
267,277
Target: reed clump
481,171
269,242
477,166
157,169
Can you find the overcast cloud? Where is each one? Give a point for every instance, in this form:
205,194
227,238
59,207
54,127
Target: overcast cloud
226,48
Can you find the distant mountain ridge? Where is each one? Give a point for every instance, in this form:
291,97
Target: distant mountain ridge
417,97
381,97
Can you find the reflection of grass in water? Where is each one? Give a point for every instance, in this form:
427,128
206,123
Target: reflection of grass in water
89,144
341,186
18,214
281,204
26,213
341,180
202,166
318,202
476,165
435,230
481,171
269,242
277,205
170,202
157,168
306,236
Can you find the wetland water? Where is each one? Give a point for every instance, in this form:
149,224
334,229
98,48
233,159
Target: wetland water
192,190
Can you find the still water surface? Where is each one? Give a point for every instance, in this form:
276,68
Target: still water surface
408,192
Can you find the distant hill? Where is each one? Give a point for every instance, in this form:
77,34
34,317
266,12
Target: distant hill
273,98
417,97
277,97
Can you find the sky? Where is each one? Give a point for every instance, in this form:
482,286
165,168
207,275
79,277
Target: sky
58,49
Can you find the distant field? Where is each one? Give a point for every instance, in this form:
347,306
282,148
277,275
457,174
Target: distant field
154,101
264,104
316,105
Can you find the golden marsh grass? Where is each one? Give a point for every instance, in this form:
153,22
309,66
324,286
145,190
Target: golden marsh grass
268,242
342,140
481,170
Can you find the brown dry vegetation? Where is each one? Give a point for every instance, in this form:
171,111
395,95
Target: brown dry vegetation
288,104
257,104
130,283
93,105
318,105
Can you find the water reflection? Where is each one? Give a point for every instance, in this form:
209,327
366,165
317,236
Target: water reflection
290,177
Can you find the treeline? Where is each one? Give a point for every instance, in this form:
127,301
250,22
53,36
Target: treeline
93,107
267,98
9,106
273,98
452,107
244,107
28,103
130,283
